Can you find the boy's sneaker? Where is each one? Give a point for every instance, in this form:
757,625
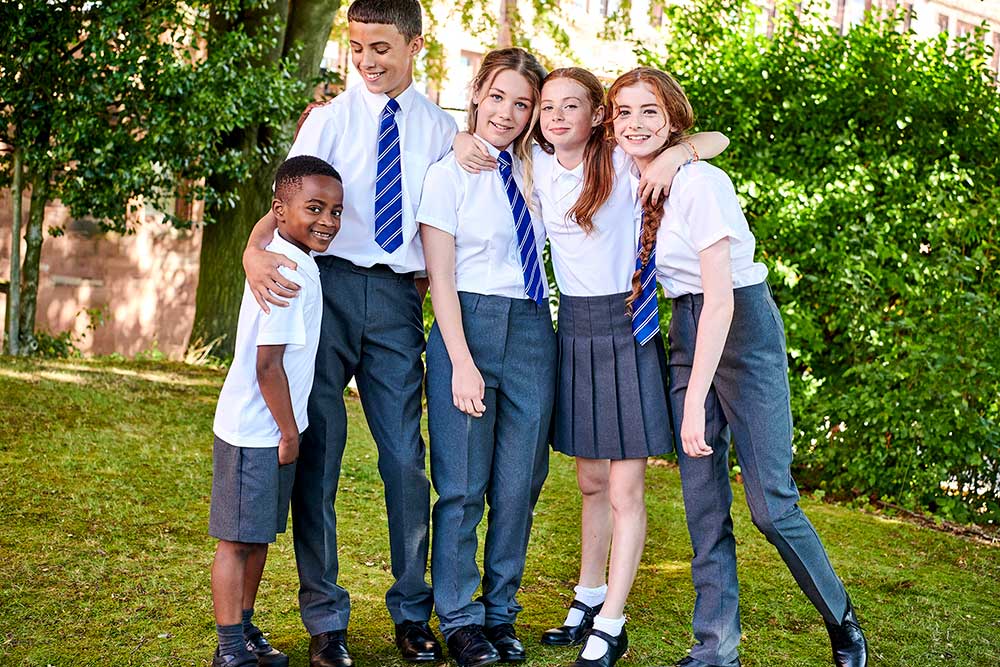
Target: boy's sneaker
267,655
240,659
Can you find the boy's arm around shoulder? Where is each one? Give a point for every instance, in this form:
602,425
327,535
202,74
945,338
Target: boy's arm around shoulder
316,134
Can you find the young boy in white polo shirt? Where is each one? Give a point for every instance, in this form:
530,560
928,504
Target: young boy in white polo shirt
262,411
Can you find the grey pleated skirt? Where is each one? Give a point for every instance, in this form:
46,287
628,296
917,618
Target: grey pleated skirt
611,398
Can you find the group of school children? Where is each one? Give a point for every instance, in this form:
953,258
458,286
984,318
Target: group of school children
381,197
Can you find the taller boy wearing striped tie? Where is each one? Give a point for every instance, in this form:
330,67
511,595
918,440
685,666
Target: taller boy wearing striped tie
381,136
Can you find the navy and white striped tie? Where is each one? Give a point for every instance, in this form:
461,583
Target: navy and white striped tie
534,288
389,182
645,313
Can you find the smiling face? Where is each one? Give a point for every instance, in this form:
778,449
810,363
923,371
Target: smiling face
309,216
504,108
566,114
383,56
640,123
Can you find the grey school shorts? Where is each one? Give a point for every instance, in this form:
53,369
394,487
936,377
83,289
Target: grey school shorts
250,493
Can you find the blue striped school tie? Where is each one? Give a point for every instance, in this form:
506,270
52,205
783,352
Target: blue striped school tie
645,313
389,182
533,286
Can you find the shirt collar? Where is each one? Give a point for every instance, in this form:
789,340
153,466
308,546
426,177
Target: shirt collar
559,171
493,150
376,101
305,263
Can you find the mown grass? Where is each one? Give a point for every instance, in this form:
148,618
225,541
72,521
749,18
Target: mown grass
104,556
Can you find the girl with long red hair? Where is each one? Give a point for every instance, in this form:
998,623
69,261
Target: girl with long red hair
728,378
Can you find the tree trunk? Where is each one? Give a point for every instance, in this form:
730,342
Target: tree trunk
13,319
505,36
221,279
33,237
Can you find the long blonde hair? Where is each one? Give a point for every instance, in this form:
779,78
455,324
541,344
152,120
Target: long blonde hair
675,105
526,65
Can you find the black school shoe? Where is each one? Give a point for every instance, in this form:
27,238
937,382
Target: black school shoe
469,647
267,655
242,658
505,641
571,635
850,649
416,642
329,649
616,649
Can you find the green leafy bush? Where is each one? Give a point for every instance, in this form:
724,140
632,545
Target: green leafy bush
867,164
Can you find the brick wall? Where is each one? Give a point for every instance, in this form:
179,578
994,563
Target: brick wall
144,282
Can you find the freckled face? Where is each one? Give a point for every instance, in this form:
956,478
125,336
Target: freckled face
504,108
641,125
566,115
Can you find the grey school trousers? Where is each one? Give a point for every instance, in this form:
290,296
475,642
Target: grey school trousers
373,331
501,458
749,399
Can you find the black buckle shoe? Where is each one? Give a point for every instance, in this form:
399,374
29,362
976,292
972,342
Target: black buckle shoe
850,648
505,641
470,648
267,655
242,658
329,649
616,649
571,635
416,642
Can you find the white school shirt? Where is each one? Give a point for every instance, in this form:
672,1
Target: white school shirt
242,418
345,134
599,263
475,210
701,210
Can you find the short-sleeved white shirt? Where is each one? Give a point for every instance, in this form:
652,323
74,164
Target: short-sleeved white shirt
703,209
242,418
601,262
475,210
345,134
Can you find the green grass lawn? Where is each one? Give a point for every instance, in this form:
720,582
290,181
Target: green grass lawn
104,556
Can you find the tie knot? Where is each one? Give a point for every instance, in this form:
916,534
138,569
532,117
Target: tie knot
391,107
504,159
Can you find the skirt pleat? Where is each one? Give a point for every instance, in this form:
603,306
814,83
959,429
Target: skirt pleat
611,400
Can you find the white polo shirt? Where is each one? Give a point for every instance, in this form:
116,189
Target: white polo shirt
242,418
345,134
601,262
475,210
701,210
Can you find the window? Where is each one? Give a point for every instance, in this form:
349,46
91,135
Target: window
656,13
907,15
942,23
963,28
996,52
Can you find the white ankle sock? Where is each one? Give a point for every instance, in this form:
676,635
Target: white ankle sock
588,596
596,647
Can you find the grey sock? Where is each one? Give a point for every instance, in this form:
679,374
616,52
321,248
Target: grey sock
230,639
248,627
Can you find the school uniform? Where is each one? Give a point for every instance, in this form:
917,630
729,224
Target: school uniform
748,401
501,457
250,491
611,397
372,331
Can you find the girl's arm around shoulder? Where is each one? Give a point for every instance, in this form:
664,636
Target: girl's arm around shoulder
658,176
467,386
